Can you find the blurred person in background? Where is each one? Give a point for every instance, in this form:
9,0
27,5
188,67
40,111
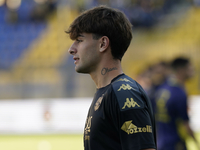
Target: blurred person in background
120,116
171,108
152,78
144,79
158,76
43,9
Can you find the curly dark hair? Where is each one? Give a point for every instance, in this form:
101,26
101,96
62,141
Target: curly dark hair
104,21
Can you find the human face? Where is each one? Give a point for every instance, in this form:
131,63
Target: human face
85,51
189,71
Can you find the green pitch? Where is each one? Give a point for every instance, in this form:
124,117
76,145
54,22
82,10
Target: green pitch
52,142
41,142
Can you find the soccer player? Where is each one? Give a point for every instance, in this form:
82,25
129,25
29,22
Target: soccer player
120,116
171,108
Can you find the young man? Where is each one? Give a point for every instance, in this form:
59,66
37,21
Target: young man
171,108
120,116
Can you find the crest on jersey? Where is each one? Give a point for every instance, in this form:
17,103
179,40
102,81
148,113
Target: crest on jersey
98,103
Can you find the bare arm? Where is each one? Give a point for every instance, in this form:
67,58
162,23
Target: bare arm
149,149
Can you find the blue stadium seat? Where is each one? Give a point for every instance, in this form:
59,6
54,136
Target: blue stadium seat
15,38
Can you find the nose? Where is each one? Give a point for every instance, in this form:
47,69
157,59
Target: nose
72,50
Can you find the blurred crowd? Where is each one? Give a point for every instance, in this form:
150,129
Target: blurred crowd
27,10
142,13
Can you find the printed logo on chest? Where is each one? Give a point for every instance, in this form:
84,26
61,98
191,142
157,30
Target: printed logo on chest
98,103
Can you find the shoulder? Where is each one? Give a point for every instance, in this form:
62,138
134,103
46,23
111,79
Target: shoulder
174,86
128,93
124,84
167,91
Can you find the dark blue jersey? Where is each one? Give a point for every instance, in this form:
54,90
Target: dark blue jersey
120,118
171,110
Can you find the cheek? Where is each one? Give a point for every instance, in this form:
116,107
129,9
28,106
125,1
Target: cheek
92,59
191,72
91,51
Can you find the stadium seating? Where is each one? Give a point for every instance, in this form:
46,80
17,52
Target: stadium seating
34,58
31,52
181,38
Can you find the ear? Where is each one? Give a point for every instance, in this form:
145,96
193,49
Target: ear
104,43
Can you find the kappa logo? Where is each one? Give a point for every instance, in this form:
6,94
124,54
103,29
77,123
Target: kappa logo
125,87
98,103
130,103
124,79
130,128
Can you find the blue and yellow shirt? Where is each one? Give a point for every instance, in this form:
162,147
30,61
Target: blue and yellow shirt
171,112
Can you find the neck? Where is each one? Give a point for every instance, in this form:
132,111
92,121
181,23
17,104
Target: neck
104,74
180,79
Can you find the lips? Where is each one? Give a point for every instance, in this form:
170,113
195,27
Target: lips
76,59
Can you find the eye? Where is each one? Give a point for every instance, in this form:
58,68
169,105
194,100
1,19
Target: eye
79,40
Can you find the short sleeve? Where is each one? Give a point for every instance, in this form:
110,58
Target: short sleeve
136,130
134,123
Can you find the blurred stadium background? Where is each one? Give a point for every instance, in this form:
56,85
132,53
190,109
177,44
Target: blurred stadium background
43,101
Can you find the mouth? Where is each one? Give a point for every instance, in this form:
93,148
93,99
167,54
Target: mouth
76,60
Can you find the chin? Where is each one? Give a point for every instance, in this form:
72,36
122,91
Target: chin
81,70
84,72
